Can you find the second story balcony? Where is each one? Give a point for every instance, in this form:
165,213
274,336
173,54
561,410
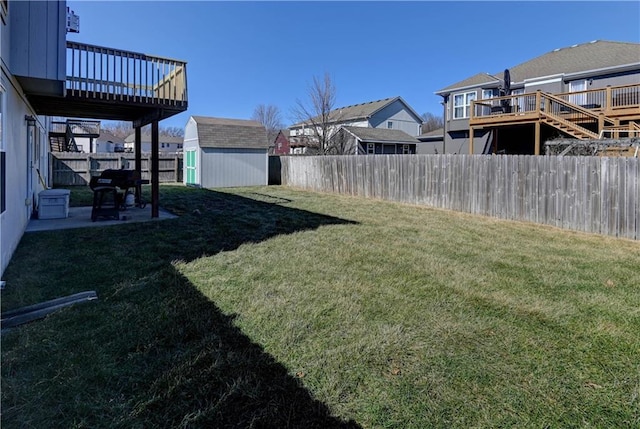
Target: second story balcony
115,84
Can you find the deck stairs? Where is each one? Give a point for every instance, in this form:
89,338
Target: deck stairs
568,117
568,127
63,141
62,135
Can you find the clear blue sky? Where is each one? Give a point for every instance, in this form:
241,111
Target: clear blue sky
241,54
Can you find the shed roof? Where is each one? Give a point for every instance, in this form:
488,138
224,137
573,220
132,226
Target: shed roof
230,133
380,135
106,136
591,56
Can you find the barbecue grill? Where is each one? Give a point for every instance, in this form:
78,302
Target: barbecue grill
110,190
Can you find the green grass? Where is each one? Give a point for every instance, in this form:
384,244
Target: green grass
270,307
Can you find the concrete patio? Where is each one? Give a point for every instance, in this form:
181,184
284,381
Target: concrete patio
80,217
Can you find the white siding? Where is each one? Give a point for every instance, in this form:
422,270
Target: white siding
191,142
22,180
401,118
221,167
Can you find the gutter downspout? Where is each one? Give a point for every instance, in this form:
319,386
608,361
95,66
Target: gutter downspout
445,122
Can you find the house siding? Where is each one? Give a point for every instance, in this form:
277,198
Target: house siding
31,46
402,119
38,42
22,183
229,167
191,144
612,79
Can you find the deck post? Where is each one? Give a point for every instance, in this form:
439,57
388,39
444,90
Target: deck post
600,122
470,140
155,164
137,148
536,149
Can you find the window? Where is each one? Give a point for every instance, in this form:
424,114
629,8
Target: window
405,149
487,93
390,124
578,86
462,104
371,148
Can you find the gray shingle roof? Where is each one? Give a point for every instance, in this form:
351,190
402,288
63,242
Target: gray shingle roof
381,135
230,133
106,136
436,132
360,111
599,54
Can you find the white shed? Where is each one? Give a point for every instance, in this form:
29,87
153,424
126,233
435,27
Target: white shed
221,152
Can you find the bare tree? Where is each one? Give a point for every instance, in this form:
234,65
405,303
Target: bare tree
269,116
317,113
341,143
431,122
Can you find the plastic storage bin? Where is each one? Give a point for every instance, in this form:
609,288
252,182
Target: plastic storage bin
53,204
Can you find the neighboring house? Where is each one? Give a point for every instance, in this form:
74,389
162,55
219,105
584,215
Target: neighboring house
281,145
166,143
577,91
108,143
390,113
431,143
41,78
372,141
222,152
73,135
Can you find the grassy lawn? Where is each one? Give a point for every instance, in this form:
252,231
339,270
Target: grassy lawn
271,307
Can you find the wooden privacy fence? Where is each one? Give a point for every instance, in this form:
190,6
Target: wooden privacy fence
590,194
69,169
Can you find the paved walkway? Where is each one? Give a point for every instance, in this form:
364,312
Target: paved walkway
80,217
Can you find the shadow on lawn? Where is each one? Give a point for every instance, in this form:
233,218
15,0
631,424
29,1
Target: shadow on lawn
154,351
221,378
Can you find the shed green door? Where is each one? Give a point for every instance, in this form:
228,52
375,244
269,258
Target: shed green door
190,156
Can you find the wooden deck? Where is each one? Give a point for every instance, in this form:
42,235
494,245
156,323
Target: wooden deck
582,115
108,83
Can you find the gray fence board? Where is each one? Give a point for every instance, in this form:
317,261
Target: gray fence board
71,169
590,194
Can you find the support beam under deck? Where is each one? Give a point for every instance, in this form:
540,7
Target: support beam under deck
155,174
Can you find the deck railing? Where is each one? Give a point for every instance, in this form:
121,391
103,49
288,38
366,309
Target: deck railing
595,100
113,74
77,127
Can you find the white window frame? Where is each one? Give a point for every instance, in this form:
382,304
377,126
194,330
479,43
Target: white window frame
487,94
463,110
371,148
578,86
405,149
390,125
